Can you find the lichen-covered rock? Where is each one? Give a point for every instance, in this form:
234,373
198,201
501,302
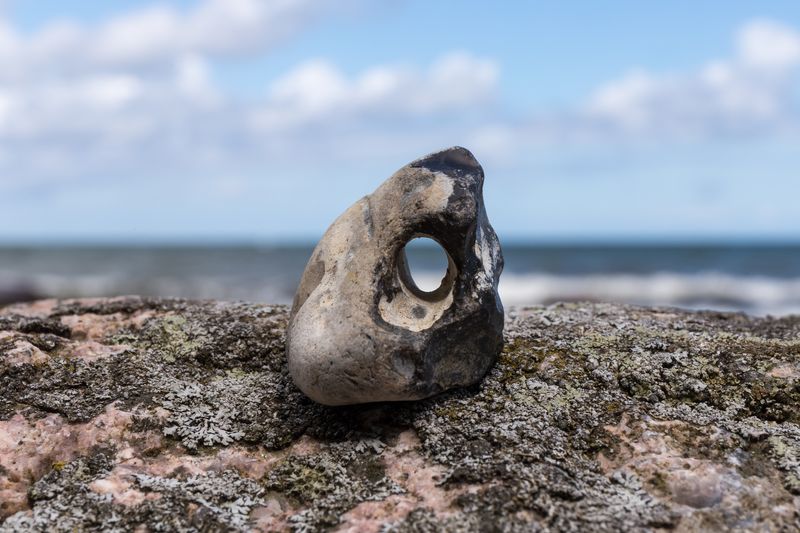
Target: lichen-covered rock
168,415
361,330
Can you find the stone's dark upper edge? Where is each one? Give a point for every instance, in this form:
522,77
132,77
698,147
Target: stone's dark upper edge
453,158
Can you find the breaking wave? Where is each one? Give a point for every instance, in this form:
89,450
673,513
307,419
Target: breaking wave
757,295
750,293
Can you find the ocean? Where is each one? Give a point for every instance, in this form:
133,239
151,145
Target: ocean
756,279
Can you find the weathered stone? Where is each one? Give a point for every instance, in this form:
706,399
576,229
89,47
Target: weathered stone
596,417
361,330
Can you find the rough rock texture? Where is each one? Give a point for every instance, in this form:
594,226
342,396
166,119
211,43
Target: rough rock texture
361,330
171,415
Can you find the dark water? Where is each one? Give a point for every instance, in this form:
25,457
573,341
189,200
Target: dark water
757,279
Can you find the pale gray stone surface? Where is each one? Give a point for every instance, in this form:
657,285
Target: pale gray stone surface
361,330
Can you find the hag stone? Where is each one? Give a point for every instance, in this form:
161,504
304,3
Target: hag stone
361,330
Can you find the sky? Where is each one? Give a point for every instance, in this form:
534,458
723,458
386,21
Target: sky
261,121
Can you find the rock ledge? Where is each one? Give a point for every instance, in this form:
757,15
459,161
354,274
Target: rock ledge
178,415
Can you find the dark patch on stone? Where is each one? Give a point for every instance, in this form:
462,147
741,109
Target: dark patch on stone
452,161
52,326
125,305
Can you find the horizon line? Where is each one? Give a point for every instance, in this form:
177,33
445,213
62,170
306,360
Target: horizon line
304,242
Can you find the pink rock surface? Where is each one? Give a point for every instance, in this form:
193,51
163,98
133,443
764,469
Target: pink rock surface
180,415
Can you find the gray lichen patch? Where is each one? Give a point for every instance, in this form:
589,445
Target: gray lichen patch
595,417
254,407
202,502
63,500
227,357
328,484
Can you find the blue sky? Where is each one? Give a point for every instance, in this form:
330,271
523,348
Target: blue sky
238,120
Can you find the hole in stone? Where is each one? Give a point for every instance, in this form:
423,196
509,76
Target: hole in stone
427,263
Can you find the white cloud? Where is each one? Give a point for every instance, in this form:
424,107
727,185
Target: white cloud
746,94
75,97
766,44
317,91
138,92
193,79
154,36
